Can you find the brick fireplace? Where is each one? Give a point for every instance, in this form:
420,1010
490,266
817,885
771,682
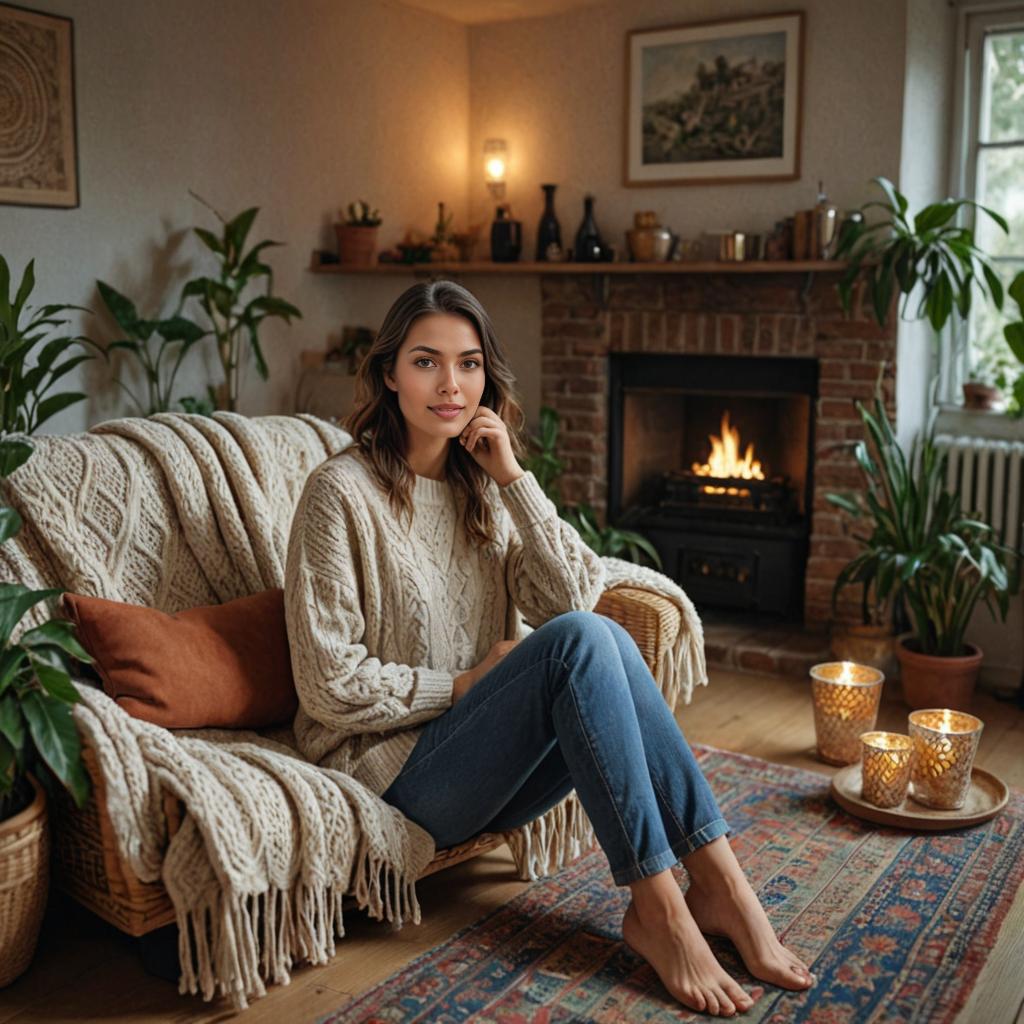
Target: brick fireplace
746,316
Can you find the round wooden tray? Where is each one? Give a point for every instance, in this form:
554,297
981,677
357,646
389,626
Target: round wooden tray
985,799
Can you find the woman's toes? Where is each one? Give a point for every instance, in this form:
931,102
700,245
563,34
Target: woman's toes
711,1001
739,998
725,1004
800,970
694,998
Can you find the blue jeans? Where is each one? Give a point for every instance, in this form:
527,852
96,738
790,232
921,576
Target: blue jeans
572,705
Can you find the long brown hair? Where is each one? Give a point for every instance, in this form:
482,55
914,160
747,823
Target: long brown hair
378,427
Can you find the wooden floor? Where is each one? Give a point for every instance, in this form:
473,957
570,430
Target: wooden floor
85,970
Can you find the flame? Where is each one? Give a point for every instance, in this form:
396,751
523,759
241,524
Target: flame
725,461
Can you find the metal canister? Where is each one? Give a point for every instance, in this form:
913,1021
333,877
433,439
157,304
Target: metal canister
825,229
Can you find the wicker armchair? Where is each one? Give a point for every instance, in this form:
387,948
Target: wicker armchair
86,861
82,486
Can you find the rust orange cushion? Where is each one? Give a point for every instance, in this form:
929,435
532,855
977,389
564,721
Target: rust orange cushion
224,665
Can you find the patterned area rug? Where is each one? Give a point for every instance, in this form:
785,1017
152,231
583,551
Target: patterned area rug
895,924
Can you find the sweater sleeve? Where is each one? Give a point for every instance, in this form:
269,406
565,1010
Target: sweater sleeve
338,682
548,568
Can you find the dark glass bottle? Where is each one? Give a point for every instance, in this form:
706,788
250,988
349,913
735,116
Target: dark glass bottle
549,231
506,236
588,248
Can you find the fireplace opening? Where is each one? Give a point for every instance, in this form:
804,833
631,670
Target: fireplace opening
710,457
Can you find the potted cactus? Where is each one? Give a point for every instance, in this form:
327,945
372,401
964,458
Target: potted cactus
357,235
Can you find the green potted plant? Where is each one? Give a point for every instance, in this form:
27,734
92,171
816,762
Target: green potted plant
232,319
870,641
898,254
36,693
919,548
443,248
546,466
357,233
983,389
355,343
139,332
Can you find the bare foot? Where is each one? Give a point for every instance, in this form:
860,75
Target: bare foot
685,963
734,911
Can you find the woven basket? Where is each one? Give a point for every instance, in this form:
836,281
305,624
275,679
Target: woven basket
24,880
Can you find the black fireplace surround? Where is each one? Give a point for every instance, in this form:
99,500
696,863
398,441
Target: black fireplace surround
731,543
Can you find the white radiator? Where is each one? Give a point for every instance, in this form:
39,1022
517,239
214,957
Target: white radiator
988,473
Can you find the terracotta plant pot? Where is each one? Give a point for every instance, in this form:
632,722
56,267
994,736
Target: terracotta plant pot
866,645
357,243
933,682
980,396
24,883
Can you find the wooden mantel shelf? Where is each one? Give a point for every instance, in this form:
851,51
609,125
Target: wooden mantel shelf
669,267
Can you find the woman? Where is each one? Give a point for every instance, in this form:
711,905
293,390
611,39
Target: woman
411,556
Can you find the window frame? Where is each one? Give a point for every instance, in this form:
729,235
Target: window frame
975,21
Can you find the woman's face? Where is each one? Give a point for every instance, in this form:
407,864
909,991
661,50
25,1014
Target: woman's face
438,376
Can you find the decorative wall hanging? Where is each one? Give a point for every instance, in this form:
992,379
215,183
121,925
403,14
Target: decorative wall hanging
38,155
714,102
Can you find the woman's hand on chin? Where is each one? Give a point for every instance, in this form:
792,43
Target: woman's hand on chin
486,438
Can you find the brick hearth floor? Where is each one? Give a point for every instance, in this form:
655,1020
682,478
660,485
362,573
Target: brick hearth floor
783,649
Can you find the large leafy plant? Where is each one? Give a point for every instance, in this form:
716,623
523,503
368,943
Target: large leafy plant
140,332
547,467
23,407
235,318
36,693
898,253
918,546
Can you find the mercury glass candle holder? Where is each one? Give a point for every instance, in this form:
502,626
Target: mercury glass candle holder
886,761
945,743
846,697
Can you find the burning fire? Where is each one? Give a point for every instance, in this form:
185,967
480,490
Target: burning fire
724,461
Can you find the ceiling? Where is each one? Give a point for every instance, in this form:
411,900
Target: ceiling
477,12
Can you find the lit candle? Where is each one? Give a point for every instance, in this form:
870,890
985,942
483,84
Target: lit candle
945,743
845,697
886,761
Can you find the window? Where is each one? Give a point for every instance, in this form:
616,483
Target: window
992,169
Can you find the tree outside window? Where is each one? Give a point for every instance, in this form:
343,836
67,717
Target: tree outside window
998,166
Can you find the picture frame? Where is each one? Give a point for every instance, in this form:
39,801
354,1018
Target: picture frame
39,158
714,102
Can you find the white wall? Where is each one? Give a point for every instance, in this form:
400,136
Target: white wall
299,108
296,108
554,88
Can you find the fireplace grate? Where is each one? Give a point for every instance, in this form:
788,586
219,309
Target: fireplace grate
688,493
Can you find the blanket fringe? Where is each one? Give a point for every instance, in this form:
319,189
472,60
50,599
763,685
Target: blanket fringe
551,841
232,946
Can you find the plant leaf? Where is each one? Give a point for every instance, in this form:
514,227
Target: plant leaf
10,523
56,739
15,600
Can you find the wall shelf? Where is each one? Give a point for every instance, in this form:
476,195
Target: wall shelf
531,267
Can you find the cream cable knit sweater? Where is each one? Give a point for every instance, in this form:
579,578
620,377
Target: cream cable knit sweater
382,616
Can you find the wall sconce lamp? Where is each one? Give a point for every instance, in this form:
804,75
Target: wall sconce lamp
496,166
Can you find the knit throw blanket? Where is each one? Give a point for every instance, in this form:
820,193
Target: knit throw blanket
269,847
176,511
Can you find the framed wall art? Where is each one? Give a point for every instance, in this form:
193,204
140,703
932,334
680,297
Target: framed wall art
38,152
714,102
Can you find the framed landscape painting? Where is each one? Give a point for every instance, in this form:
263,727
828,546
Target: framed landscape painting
714,102
38,157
